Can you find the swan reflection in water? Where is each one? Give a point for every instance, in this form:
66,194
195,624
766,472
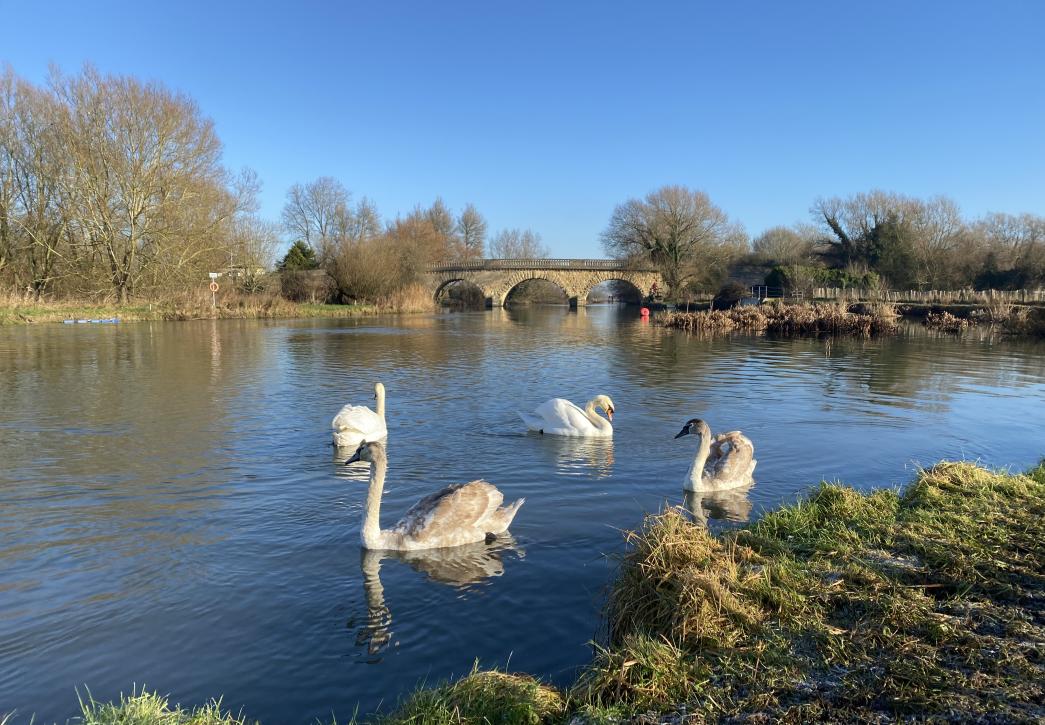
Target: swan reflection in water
358,471
460,567
729,505
579,456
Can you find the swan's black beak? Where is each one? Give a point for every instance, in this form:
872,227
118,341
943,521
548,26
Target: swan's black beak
683,432
355,456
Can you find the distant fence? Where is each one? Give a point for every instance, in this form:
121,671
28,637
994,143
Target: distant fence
1025,296
569,264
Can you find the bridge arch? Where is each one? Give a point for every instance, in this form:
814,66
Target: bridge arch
466,294
635,293
513,281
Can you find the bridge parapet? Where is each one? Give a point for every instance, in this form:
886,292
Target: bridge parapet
542,263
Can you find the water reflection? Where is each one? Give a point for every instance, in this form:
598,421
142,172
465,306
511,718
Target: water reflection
730,505
578,456
460,567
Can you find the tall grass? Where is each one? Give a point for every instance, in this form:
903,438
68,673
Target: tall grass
151,708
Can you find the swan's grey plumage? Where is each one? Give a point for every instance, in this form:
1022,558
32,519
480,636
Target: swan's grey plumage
723,462
461,513
354,424
560,417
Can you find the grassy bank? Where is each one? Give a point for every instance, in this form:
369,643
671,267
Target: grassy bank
15,311
926,604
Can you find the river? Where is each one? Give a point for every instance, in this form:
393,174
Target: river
172,513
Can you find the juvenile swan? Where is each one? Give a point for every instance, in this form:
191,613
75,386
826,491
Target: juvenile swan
560,417
462,513
354,424
731,459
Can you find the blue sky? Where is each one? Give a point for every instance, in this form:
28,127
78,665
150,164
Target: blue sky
547,114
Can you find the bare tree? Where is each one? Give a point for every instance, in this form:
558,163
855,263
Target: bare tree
680,231
148,191
317,213
442,221
364,223
784,245
938,230
1013,249
517,244
471,232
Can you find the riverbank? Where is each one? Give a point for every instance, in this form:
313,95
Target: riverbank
926,603
14,311
861,319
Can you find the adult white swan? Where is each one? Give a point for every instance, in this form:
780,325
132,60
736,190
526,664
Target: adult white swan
462,513
727,461
354,424
560,417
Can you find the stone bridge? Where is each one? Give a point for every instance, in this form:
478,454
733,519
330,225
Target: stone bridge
575,277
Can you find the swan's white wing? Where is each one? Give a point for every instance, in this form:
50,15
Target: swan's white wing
355,423
457,509
559,416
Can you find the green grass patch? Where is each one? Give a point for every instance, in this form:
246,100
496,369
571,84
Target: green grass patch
483,697
150,708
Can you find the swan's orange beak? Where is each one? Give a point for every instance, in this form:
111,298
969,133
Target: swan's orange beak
609,413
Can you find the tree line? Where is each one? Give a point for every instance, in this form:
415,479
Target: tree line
872,239
365,258
113,187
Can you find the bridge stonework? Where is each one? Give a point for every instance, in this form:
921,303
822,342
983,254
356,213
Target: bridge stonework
575,277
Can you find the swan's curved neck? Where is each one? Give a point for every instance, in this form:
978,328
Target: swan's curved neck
695,478
597,420
371,533
381,403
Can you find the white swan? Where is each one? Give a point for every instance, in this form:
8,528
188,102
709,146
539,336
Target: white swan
462,513
354,424
731,459
560,417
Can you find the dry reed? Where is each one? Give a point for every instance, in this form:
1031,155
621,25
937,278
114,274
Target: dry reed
946,322
783,319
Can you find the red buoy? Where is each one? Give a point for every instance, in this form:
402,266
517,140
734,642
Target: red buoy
644,311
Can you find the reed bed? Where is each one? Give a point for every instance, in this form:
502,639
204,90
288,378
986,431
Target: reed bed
784,319
946,322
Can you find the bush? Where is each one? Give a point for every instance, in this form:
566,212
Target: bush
305,285
730,295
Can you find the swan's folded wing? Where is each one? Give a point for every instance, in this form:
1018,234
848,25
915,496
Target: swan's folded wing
735,462
458,507
357,418
561,413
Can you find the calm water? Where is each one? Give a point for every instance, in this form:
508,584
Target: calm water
171,512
